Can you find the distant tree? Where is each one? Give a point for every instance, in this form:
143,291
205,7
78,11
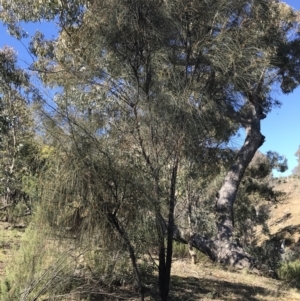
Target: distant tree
296,170
256,195
17,144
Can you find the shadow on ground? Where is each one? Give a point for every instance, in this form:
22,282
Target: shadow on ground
192,288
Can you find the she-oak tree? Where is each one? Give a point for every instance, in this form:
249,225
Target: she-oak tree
169,81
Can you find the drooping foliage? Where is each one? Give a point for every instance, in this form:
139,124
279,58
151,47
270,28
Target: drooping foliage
148,96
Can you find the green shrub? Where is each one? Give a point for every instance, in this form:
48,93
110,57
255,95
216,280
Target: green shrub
37,268
290,271
180,250
268,255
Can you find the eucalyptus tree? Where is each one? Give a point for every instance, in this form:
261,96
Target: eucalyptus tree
168,81
16,144
265,57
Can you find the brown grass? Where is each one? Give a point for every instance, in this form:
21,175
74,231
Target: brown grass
205,280
285,216
9,241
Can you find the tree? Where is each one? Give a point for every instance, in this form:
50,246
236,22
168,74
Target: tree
257,104
171,83
296,170
255,197
135,101
17,147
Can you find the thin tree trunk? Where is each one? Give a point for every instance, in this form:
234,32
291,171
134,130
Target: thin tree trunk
170,233
160,228
161,266
189,216
115,222
165,253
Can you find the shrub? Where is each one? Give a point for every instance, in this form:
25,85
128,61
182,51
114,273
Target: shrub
268,256
180,250
38,268
290,271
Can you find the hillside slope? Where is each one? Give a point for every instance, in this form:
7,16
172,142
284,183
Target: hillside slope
285,216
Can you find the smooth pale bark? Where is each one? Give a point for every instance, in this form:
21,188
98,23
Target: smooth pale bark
227,194
222,249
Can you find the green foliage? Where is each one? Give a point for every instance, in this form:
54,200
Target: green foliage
290,272
29,260
268,256
180,250
18,148
256,195
64,267
146,102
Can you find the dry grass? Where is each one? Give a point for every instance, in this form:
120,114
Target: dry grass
9,240
205,280
285,216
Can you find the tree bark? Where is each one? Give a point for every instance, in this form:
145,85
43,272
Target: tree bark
227,194
115,222
222,249
165,261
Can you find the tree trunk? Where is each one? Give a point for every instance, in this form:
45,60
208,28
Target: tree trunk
161,267
222,249
227,194
118,227
165,261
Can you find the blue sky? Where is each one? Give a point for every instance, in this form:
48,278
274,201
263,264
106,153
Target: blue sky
281,127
